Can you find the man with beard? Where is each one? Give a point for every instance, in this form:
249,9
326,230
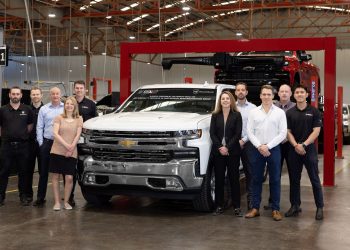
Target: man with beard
16,122
36,103
245,107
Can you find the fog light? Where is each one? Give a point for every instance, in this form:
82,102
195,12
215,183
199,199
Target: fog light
90,179
173,184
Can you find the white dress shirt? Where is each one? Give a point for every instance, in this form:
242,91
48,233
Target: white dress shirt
267,128
244,109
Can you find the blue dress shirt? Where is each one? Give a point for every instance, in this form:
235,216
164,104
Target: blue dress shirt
44,127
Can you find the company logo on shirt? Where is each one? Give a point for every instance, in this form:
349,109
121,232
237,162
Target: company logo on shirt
84,107
23,113
307,114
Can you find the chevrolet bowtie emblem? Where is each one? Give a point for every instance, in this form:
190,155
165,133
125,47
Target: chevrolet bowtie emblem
127,143
248,68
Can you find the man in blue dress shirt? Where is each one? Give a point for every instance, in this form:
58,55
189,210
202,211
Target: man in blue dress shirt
44,135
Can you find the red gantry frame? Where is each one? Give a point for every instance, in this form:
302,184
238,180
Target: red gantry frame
327,44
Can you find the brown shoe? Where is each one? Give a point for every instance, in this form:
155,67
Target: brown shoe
276,215
252,213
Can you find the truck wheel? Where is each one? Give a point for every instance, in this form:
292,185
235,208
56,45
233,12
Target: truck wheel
97,200
205,200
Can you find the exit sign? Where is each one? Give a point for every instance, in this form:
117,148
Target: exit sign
3,56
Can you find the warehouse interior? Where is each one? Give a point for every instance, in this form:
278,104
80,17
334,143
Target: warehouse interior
57,42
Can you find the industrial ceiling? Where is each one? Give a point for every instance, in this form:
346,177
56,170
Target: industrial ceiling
81,27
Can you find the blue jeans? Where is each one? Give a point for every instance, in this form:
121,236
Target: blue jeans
258,162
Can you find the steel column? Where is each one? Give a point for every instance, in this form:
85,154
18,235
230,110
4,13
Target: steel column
340,123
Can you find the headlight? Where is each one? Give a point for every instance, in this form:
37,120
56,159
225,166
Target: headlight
189,134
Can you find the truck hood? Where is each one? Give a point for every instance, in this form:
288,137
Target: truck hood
146,121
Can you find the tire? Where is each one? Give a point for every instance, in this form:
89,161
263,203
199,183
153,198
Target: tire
97,200
205,200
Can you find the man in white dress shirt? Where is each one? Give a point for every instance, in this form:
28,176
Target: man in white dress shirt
266,129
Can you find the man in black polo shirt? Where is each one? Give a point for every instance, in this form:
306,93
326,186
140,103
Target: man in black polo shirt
16,122
304,125
34,152
87,109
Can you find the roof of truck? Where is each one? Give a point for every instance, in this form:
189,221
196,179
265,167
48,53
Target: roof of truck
185,85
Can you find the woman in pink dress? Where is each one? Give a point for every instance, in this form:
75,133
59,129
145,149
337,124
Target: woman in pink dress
63,156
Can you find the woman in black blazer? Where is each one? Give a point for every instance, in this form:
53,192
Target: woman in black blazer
225,132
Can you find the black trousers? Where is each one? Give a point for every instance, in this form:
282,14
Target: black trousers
231,163
14,154
247,168
296,163
45,149
34,155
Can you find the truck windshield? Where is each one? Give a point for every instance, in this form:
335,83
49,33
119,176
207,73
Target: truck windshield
172,100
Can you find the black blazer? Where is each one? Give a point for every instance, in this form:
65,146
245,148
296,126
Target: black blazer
233,132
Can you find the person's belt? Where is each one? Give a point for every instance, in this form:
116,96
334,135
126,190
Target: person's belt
15,142
48,140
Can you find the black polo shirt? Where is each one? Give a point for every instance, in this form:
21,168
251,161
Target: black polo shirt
302,122
14,123
87,109
35,110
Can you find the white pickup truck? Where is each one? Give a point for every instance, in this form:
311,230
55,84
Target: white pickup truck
156,144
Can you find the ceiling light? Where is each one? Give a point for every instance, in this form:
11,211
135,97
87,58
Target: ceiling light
92,2
104,53
108,17
52,15
125,9
132,37
186,8
29,56
39,40
22,64
70,70
239,34
75,47
134,5
97,1
84,65
148,63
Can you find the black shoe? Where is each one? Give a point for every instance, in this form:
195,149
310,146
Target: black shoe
238,212
319,214
24,201
218,210
39,202
268,207
71,202
293,211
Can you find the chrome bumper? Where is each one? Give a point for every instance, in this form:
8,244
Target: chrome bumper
175,175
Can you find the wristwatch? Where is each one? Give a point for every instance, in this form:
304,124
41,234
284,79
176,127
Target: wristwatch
304,146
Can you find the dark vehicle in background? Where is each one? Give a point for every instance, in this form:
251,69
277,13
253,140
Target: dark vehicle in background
257,68
108,103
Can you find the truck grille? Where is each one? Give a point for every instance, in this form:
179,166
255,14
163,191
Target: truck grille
96,134
132,155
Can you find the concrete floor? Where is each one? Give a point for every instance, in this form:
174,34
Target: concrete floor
142,223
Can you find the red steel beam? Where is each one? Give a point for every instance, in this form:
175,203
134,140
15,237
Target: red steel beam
340,123
327,44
